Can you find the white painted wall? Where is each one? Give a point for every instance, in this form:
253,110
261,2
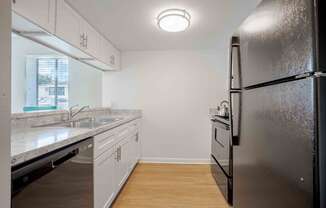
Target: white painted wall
85,82
5,52
175,90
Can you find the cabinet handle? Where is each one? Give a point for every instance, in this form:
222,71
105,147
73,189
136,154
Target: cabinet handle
82,40
116,155
86,39
120,153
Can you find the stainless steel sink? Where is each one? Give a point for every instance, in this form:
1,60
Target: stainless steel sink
90,123
93,122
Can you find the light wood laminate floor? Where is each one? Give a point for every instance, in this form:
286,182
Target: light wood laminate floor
170,186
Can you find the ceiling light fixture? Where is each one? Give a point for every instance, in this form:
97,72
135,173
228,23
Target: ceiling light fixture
173,20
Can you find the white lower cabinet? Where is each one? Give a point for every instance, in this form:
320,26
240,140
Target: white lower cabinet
114,162
122,169
135,150
104,179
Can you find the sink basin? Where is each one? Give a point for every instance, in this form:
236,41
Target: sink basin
93,122
107,120
90,123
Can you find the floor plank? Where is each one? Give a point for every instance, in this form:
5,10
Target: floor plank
170,186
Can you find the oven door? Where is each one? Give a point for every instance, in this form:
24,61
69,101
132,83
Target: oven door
221,149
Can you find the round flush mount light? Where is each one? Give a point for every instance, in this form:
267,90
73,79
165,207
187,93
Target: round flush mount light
173,20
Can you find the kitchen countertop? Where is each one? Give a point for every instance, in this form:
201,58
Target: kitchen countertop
27,144
214,117
220,119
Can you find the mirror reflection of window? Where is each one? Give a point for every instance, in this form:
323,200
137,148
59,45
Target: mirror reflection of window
45,79
47,82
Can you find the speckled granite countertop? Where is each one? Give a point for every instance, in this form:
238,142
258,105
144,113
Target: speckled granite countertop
30,143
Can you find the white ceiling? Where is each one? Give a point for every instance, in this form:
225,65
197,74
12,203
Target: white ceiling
131,25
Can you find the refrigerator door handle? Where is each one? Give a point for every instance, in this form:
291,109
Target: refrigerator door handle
235,45
235,102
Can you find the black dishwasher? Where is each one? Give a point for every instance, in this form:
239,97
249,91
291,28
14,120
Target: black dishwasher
60,179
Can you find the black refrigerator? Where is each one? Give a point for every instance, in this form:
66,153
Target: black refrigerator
279,157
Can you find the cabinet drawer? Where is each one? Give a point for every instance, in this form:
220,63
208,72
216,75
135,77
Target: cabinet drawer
103,142
123,132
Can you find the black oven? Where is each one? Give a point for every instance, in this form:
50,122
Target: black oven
221,158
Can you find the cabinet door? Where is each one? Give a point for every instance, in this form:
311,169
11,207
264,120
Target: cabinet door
134,149
40,12
69,25
137,147
114,57
92,40
109,54
122,169
104,179
103,49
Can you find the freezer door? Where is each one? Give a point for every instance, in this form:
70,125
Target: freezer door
277,41
274,162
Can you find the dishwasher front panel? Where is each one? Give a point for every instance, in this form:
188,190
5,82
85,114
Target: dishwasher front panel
70,184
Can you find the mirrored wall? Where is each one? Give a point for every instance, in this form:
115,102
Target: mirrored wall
43,79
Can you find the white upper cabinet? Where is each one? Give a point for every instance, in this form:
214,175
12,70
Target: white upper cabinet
109,54
69,32
115,58
72,28
40,12
69,25
92,39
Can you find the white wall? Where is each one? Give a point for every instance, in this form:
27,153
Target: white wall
175,90
85,85
5,52
85,82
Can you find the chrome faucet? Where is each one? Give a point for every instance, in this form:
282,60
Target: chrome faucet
72,114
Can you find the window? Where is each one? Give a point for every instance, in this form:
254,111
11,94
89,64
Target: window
47,82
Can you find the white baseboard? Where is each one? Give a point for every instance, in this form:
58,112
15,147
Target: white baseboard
173,160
